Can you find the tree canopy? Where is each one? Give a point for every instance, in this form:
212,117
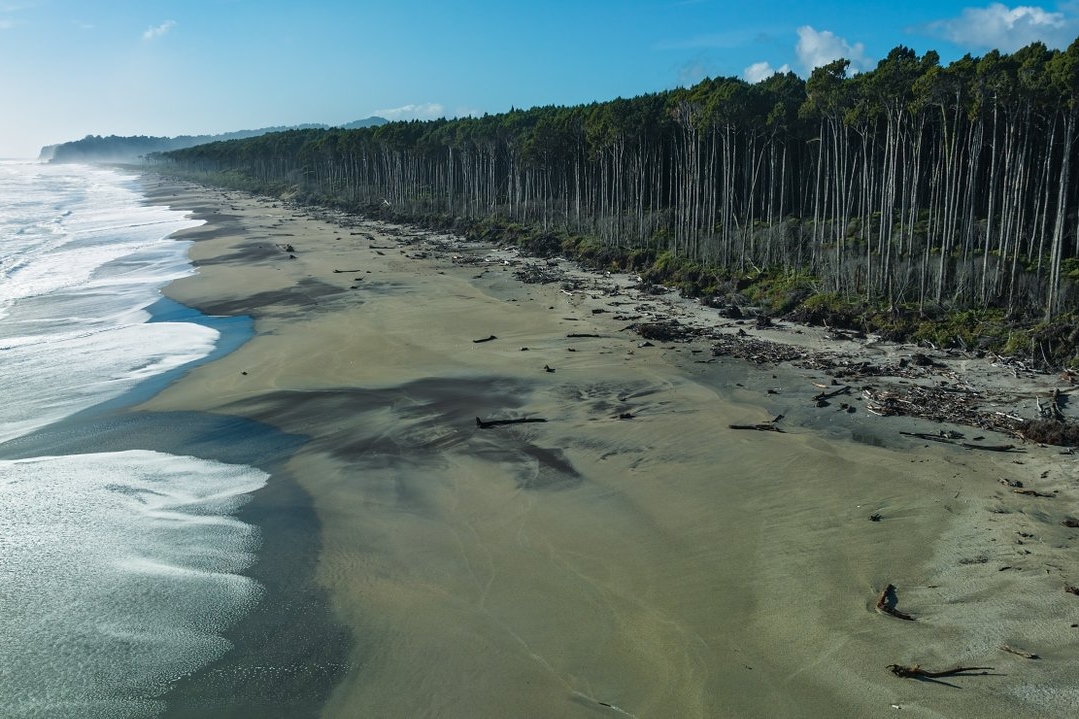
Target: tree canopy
912,184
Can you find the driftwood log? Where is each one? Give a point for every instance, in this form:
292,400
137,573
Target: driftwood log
916,672
845,389
886,604
485,339
761,427
487,424
1018,652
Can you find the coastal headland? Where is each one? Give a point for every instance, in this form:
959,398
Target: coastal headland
631,554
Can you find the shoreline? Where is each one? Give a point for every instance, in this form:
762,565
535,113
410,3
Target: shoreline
445,545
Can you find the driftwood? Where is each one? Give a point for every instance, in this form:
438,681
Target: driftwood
1071,590
1032,493
886,603
940,437
845,389
916,672
1018,652
1069,522
485,339
487,424
770,426
338,272
991,447
761,427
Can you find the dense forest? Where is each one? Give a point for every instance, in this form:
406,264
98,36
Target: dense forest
127,148
915,188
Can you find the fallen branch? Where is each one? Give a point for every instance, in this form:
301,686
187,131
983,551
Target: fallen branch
886,603
1018,652
761,427
485,339
1032,493
487,424
1071,590
845,389
916,672
929,437
992,447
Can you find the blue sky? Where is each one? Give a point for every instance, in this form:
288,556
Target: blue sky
167,67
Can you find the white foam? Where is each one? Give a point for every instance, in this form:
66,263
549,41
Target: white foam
120,572
46,378
81,258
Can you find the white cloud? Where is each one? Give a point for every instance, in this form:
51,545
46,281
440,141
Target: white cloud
998,26
815,49
156,32
428,111
762,70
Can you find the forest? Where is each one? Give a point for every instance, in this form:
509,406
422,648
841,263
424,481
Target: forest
910,194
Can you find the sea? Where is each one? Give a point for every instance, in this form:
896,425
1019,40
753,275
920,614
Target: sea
121,570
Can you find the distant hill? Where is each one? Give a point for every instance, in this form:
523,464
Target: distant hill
114,148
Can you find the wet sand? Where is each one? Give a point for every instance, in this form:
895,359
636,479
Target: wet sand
592,565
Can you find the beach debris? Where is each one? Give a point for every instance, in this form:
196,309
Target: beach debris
1071,590
915,671
769,426
579,335
339,272
548,368
823,396
1018,652
875,517
886,603
665,330
930,437
1070,522
485,339
761,427
992,447
487,424
1033,493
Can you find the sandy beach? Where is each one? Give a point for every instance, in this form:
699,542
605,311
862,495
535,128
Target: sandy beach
630,555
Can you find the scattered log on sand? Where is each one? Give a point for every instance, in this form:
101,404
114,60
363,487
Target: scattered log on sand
338,272
916,672
485,339
992,447
1018,652
1033,493
770,426
939,437
1071,590
579,335
762,427
1069,522
886,604
845,389
487,424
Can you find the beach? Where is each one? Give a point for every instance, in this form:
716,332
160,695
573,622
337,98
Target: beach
623,552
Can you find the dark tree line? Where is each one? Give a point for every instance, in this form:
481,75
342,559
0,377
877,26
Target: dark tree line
912,184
